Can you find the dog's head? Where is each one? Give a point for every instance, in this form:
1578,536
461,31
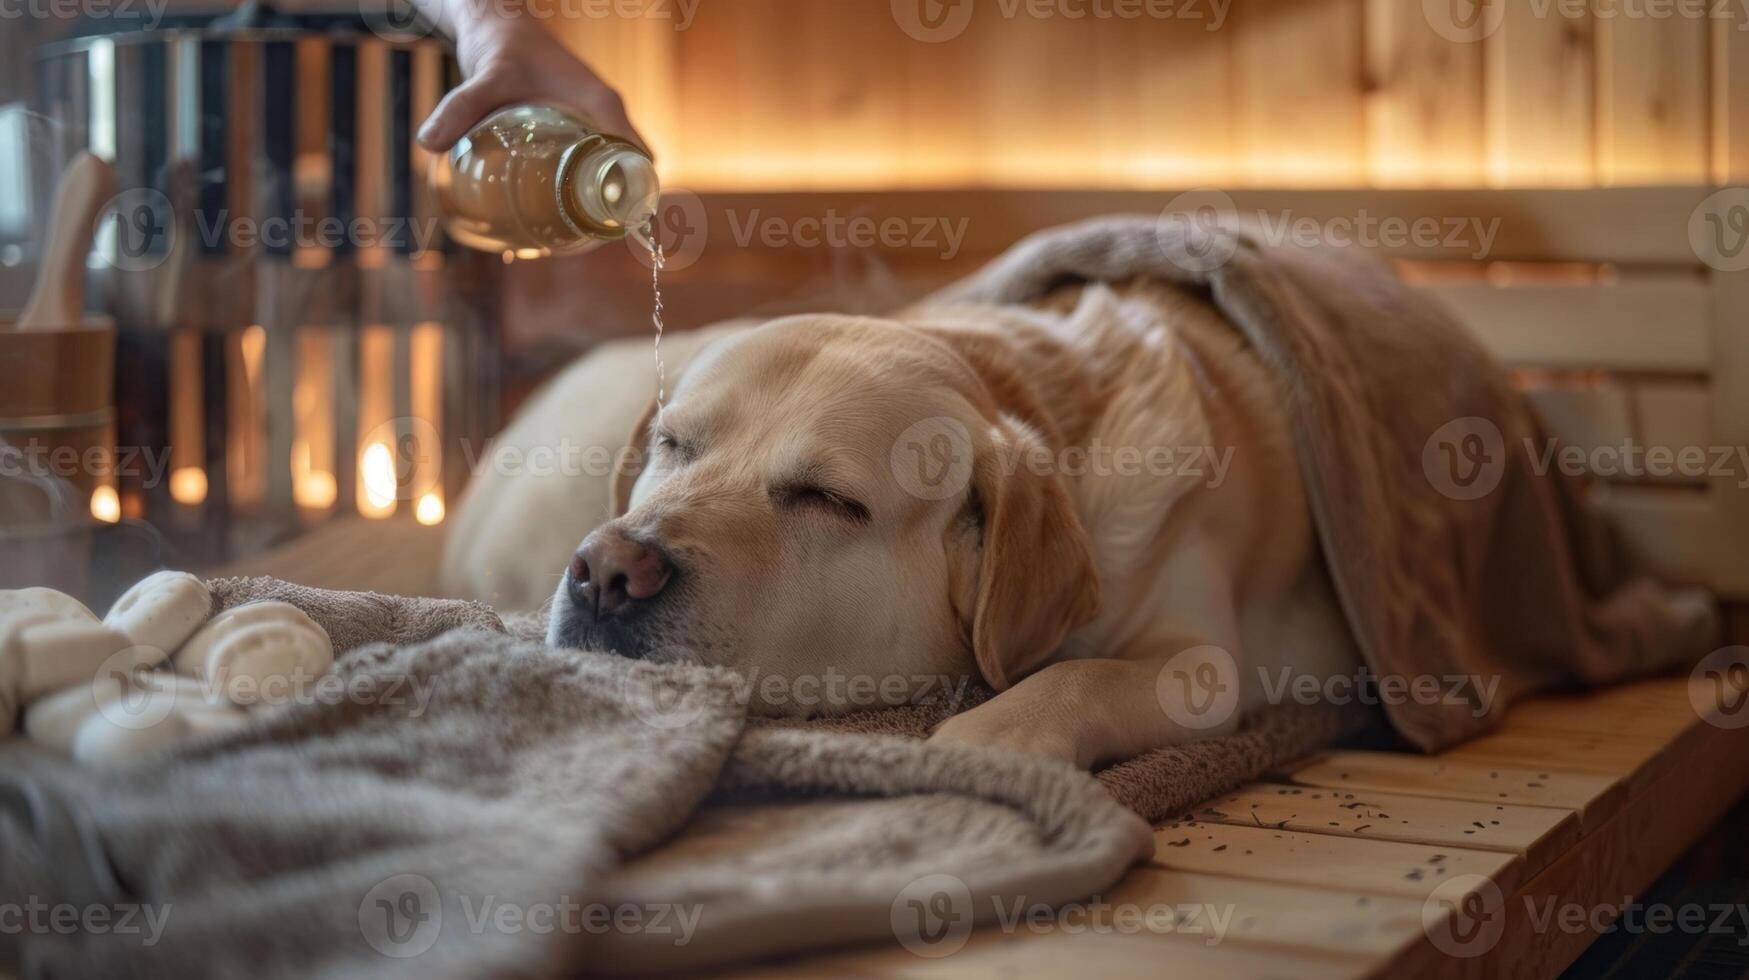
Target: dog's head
837,497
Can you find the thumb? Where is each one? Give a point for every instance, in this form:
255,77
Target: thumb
464,106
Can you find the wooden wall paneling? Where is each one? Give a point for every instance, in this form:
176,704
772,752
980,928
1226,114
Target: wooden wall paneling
1652,98
744,118
1166,91
1297,102
941,134
839,65
1539,97
1424,105
633,54
1730,96
1037,83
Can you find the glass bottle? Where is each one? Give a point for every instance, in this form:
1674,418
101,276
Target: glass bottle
536,180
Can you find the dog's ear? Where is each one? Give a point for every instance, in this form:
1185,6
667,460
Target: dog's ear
1036,579
631,462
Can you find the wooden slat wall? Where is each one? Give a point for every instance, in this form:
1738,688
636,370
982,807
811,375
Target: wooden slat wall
1730,97
803,94
1651,99
1424,100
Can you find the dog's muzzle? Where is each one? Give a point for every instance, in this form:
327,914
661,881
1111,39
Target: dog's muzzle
612,581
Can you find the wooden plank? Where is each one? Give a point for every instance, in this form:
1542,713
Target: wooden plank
1156,135
1606,754
1375,867
1730,96
1051,955
1656,709
1673,414
1297,92
1539,96
1730,427
1423,98
1593,796
1269,914
1629,226
1652,98
1678,534
1653,324
395,556
1622,856
1588,416
1535,832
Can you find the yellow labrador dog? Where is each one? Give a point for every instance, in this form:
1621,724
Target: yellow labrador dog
1093,504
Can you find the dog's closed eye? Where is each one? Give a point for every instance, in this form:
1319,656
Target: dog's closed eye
810,497
667,443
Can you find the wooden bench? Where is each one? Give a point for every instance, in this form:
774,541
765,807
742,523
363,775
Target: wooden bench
1352,864
1343,864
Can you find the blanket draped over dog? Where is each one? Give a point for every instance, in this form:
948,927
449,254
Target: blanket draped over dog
477,804
1456,561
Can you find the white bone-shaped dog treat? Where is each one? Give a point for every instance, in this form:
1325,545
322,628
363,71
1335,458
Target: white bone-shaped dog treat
54,720
57,653
247,646
46,601
162,610
102,739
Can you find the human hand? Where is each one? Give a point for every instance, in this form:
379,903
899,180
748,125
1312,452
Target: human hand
512,59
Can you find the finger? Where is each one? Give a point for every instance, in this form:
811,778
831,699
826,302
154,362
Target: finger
459,111
607,110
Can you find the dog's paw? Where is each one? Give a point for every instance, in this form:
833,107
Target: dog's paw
996,731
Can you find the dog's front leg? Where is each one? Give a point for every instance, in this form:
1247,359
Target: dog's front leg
1096,711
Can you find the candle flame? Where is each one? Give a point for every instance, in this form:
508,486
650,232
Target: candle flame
105,505
188,485
376,470
429,510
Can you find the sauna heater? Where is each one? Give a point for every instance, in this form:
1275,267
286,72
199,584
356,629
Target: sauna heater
296,340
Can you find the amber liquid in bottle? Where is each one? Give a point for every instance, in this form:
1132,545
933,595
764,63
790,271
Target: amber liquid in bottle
534,180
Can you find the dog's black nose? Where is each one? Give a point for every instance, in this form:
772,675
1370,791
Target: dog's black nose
611,571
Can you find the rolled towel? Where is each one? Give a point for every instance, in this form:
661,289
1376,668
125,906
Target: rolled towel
245,651
162,610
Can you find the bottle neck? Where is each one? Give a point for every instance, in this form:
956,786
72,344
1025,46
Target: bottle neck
609,188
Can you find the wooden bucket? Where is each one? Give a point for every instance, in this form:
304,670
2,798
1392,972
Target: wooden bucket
57,445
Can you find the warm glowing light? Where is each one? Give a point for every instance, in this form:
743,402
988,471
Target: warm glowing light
105,505
376,474
529,253
315,490
429,510
188,485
